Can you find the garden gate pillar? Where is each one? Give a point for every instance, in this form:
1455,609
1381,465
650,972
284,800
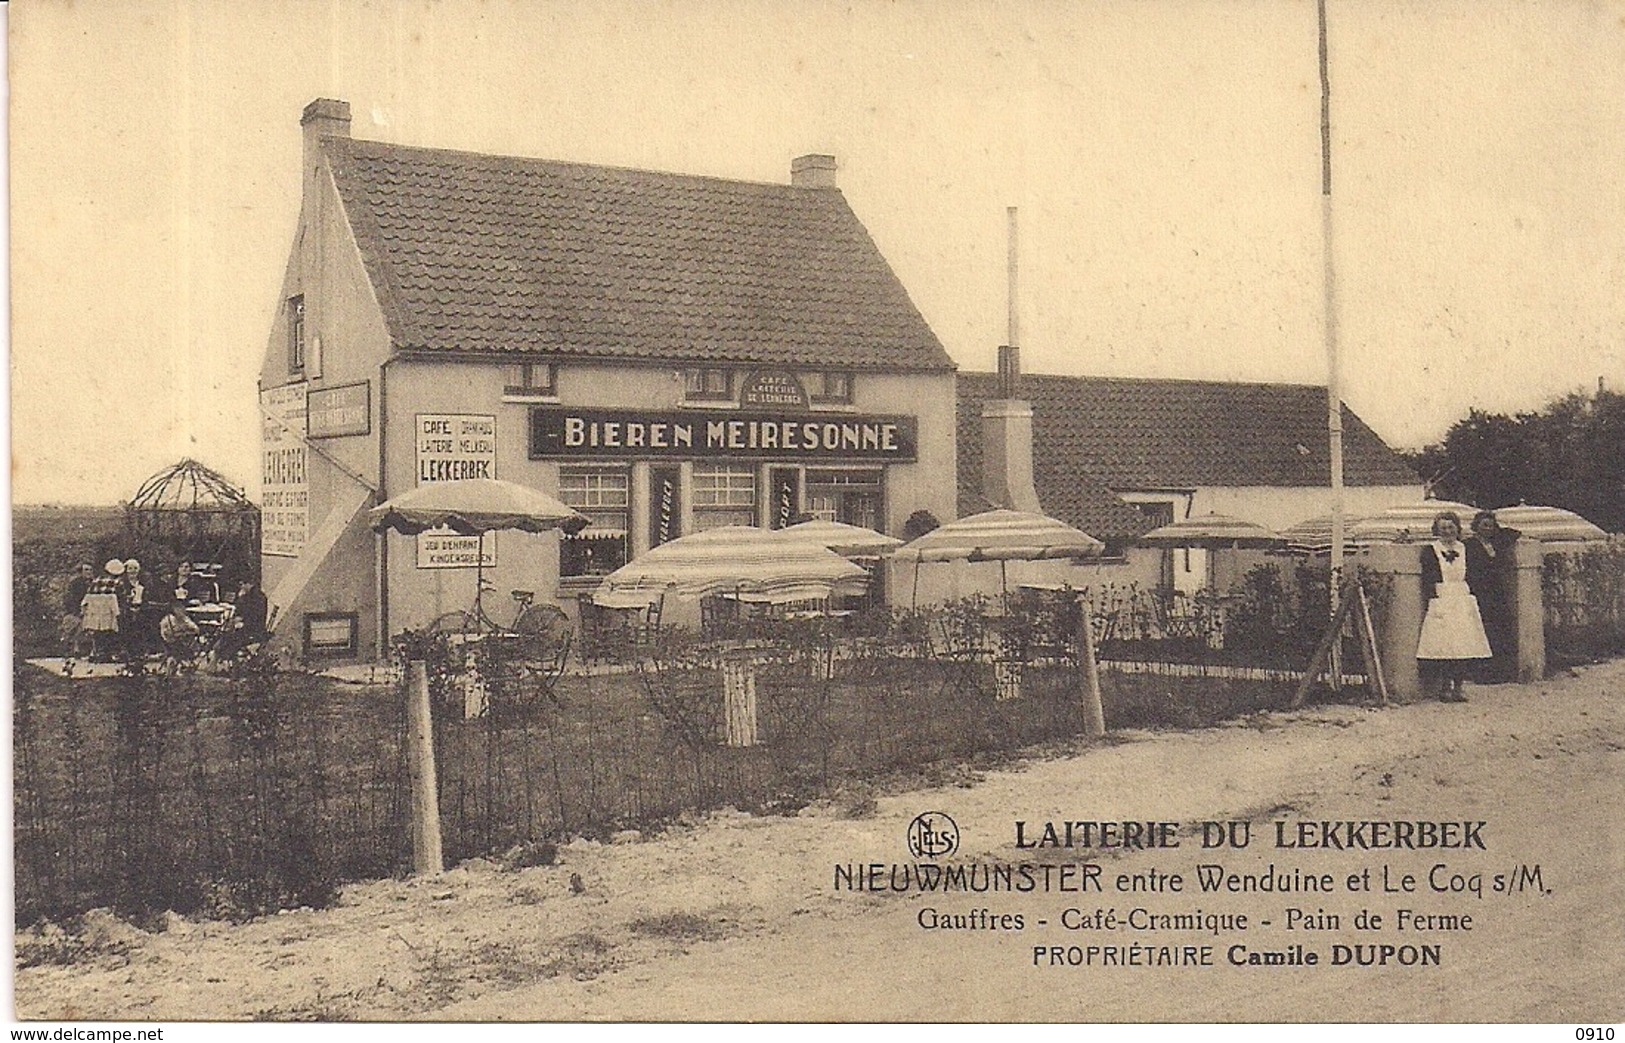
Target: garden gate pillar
1402,622
1527,597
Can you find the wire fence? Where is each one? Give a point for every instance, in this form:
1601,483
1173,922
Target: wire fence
230,797
1583,592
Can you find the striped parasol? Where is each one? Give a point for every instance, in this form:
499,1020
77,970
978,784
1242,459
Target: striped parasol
1409,522
852,541
999,535
1214,532
1002,535
748,563
1548,524
1314,536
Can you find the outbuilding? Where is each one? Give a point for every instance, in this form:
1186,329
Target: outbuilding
663,352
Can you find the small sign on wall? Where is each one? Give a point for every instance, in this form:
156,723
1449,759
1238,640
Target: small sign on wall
338,411
448,550
665,509
451,447
773,389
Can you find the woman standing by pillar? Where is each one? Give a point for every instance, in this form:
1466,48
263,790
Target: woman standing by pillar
1453,640
1491,566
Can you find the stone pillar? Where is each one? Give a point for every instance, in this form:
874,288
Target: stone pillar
1529,609
1401,625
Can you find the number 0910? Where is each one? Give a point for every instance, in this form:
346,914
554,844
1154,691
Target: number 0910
1586,1032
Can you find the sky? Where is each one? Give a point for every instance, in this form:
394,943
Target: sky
1163,156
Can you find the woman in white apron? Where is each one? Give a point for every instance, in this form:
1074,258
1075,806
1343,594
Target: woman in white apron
1453,641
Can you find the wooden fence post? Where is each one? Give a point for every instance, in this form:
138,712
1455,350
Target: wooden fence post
1094,711
739,699
426,854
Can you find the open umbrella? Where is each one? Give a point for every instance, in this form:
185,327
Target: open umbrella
1548,524
999,535
749,563
474,507
1409,521
1314,536
470,506
1213,532
851,541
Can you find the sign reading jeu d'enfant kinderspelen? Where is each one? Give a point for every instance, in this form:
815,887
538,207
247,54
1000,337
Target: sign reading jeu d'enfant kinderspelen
562,433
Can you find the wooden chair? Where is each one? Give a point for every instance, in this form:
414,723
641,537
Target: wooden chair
607,635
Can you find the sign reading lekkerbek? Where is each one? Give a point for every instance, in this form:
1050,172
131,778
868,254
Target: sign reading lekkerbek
284,480
453,446
561,433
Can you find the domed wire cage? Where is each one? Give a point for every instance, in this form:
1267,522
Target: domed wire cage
193,513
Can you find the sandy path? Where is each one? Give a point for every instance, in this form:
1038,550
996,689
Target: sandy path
736,918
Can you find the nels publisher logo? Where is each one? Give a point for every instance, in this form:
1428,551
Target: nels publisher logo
932,835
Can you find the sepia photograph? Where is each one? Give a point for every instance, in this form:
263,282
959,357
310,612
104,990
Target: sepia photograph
882,511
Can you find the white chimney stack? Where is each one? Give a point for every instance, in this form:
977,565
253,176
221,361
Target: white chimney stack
1007,421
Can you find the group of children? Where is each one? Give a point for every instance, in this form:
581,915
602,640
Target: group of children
128,613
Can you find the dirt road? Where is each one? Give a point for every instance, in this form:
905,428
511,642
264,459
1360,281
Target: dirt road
740,918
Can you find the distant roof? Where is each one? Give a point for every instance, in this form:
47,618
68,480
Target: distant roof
1130,433
490,254
1074,497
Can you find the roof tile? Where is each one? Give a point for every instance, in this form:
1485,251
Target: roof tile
476,253
1132,433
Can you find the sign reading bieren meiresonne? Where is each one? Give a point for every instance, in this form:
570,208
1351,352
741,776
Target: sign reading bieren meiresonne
561,433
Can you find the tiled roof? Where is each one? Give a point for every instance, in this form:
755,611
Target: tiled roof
1073,496
477,253
1181,434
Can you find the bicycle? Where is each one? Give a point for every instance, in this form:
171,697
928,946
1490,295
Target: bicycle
477,621
541,637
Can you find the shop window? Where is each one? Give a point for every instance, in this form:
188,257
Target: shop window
532,380
724,494
853,497
835,388
604,496
708,385
296,334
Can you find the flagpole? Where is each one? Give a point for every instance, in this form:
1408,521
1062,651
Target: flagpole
1334,389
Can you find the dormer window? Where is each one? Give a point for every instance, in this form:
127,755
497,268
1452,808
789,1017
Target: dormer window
835,388
296,334
532,380
708,385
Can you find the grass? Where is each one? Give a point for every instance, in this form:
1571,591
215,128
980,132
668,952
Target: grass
682,927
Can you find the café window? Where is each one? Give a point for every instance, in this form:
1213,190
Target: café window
532,380
603,494
849,496
708,385
834,387
724,494
296,334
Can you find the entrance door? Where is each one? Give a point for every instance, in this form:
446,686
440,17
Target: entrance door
1161,513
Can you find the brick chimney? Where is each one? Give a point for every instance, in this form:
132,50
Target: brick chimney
322,118
813,171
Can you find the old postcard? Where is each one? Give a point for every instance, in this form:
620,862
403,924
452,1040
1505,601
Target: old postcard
750,511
